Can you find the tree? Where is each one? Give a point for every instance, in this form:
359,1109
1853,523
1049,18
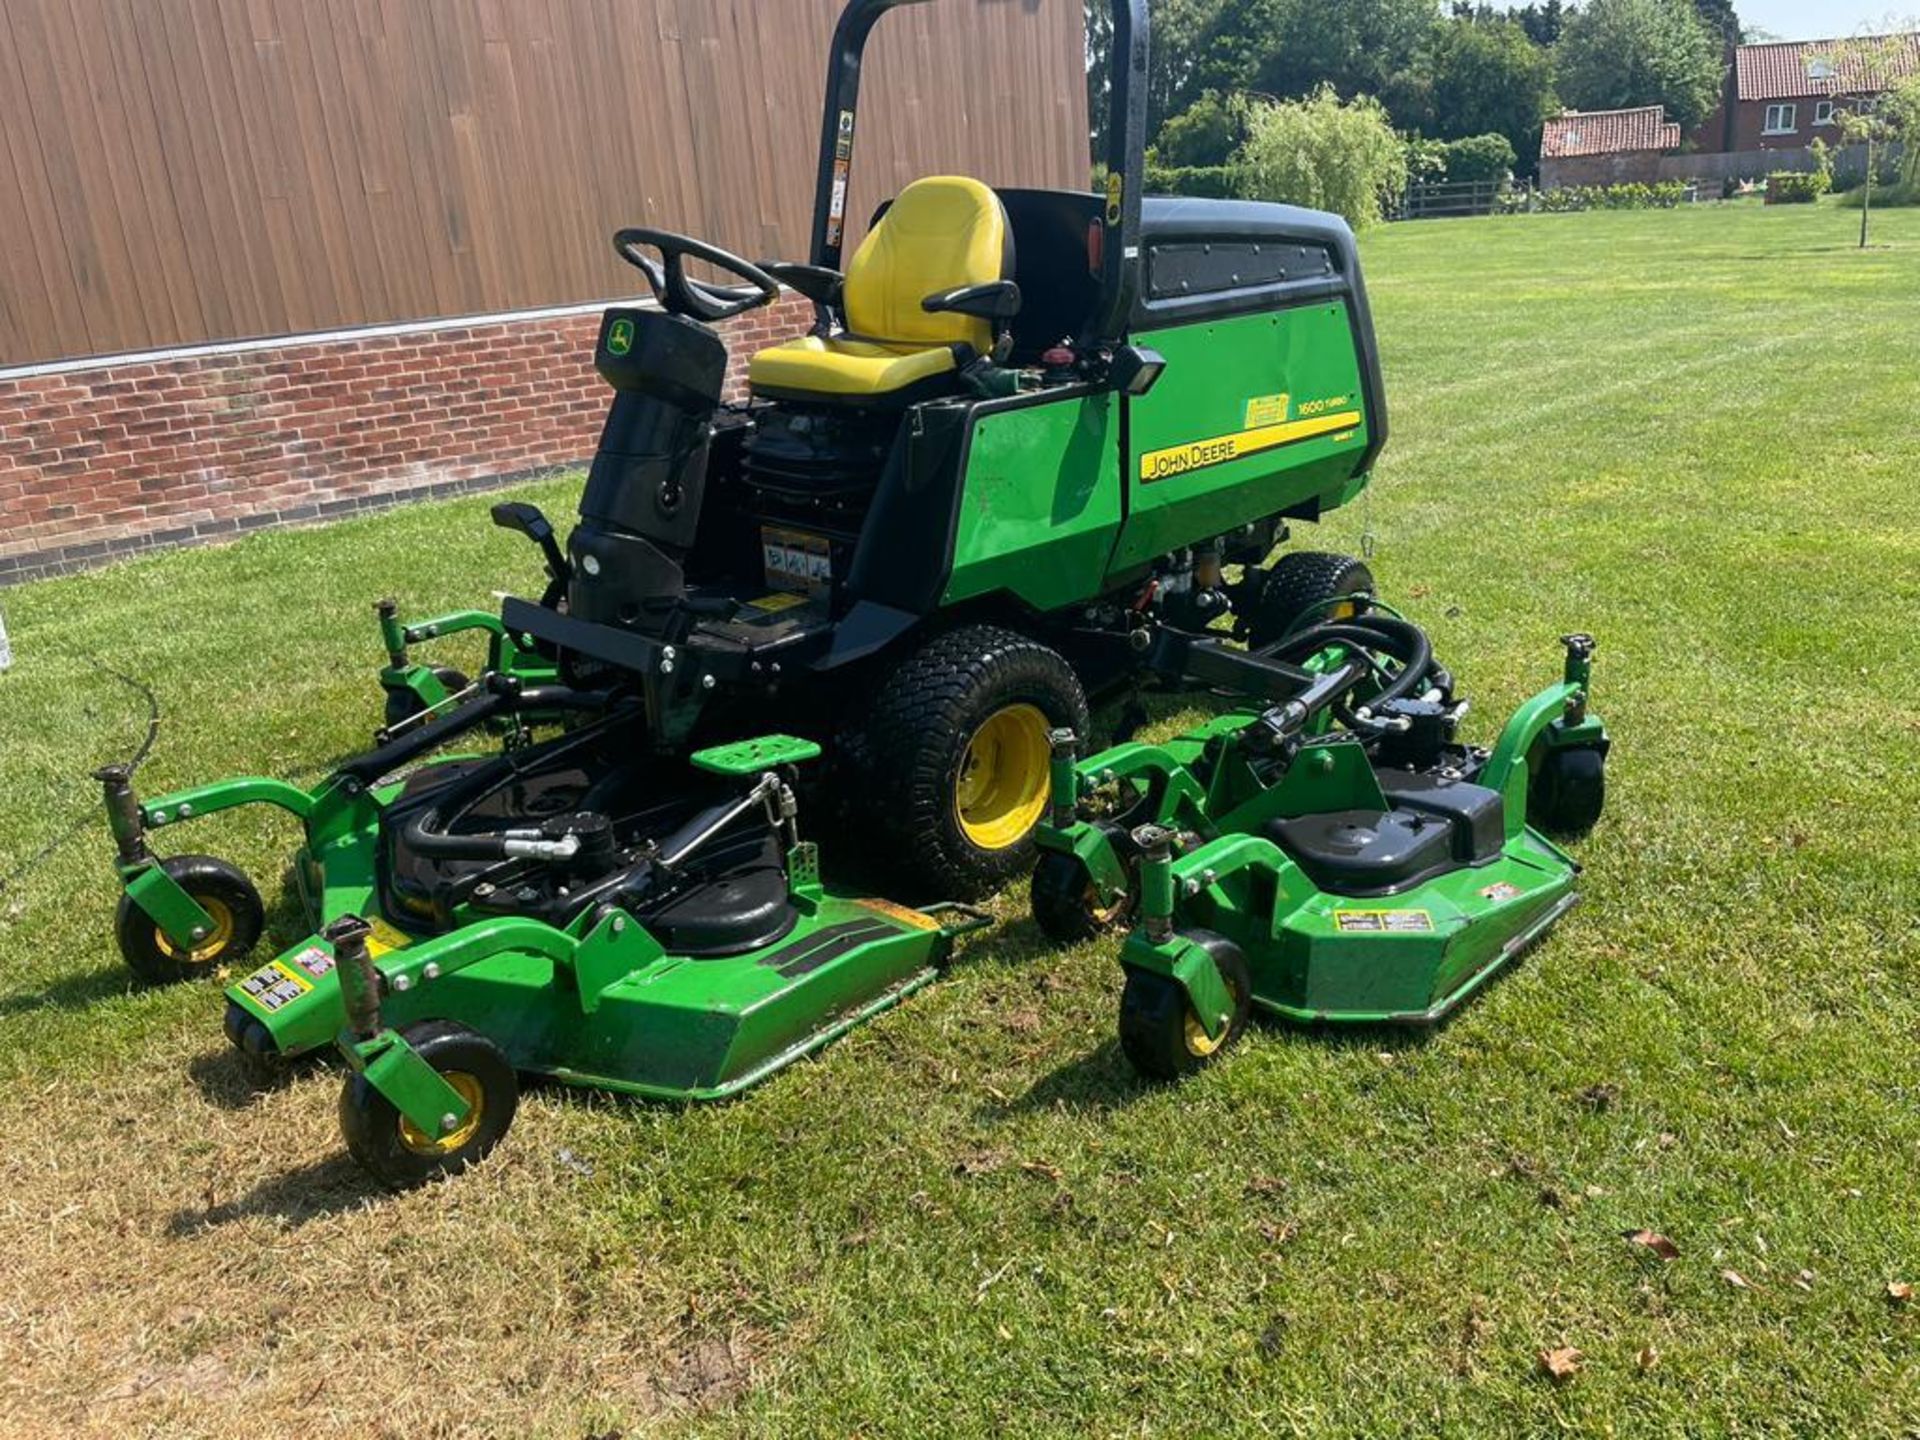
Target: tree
1719,18
1290,48
1321,153
1856,71
1620,53
1180,36
1207,132
1487,78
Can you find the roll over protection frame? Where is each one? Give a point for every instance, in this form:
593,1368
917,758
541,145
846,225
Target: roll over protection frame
1126,150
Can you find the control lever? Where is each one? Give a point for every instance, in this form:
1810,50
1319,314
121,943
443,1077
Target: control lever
527,520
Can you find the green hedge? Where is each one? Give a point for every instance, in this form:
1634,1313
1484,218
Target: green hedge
1210,182
1634,196
1793,187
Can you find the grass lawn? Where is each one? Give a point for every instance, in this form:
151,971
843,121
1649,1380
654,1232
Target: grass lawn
1692,433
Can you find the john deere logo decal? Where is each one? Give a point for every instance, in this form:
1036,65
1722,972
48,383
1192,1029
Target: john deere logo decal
620,337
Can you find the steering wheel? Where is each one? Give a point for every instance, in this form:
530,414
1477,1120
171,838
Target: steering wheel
697,299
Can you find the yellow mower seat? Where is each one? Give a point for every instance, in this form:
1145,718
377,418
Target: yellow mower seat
941,233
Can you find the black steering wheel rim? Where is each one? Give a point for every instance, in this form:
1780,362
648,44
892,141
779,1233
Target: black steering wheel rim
677,292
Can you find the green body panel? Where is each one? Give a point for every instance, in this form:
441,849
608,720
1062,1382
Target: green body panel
1039,503
1292,367
613,1010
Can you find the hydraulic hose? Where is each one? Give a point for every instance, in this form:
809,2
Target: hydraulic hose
1402,639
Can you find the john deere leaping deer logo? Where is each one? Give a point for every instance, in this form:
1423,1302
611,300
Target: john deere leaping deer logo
620,337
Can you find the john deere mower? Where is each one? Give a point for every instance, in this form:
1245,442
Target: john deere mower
1027,430
1328,850
1027,426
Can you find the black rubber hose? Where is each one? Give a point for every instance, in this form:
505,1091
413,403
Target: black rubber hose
1402,639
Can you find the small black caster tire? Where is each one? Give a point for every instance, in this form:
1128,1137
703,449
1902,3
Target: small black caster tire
1298,589
231,902
1567,790
403,705
389,1147
1065,905
1160,1034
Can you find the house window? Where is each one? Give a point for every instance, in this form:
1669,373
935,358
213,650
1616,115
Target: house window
1781,120
1823,112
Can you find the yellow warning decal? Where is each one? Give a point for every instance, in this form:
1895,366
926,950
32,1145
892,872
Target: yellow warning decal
1264,410
1199,454
901,913
1398,922
383,937
785,600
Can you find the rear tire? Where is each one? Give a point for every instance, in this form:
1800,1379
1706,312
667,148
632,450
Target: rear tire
1567,790
953,758
399,1156
1159,1032
220,889
1297,588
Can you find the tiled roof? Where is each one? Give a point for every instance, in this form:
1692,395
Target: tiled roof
1609,132
1794,69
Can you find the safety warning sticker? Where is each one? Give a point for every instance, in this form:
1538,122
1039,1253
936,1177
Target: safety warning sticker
1500,890
1399,922
277,984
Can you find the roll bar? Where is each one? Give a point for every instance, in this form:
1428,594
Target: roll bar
1126,149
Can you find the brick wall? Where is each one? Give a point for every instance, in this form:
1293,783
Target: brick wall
109,457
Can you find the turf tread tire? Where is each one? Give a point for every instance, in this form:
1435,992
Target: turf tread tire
906,753
1299,579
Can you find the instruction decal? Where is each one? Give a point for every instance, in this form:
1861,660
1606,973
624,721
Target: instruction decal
1388,922
911,918
1500,890
842,168
382,937
281,983
1264,410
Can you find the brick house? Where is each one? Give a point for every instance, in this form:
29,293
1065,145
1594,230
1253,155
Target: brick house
1782,96
1606,147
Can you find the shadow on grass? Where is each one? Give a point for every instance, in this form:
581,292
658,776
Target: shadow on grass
1093,1083
72,992
311,1192
232,1079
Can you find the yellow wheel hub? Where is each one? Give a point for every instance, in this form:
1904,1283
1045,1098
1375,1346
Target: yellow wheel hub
1199,1044
209,949
1002,788
421,1143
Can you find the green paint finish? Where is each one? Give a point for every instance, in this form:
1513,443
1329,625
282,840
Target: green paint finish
1040,503
613,1009
751,757
1216,428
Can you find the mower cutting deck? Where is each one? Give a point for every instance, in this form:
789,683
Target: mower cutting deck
1332,855
552,910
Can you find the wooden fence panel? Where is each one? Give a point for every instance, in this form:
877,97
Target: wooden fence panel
174,171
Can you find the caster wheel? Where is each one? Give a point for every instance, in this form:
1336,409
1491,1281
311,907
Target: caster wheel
1567,790
1159,1032
400,1155
231,902
1065,905
403,705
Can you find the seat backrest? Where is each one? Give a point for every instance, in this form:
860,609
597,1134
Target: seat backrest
940,233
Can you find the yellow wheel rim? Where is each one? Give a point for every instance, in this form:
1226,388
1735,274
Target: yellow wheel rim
208,949
421,1143
1002,788
1199,1043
